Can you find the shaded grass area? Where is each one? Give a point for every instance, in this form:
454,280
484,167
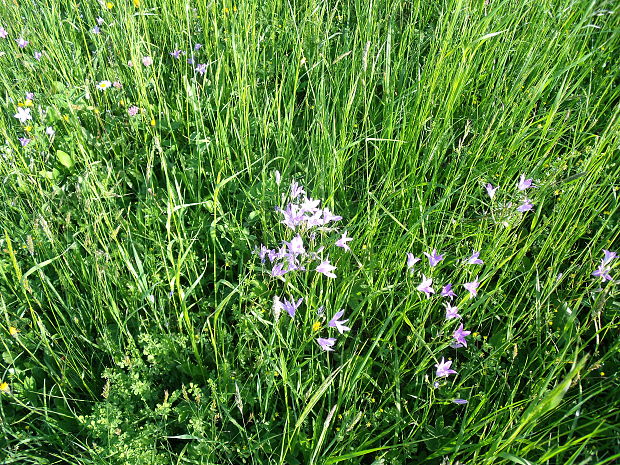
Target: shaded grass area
145,331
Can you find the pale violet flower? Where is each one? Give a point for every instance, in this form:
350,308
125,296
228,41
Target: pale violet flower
291,306
609,256
21,42
451,312
50,131
443,369
459,336
524,183
326,268
23,114
491,190
147,61
474,260
472,287
602,272
411,261
335,322
326,344
342,242
526,206
425,286
433,258
447,291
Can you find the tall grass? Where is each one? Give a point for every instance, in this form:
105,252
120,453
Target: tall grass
137,322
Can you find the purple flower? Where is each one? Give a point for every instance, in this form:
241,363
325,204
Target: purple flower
609,256
3,33
296,190
459,336
50,131
95,30
451,312
38,55
474,260
526,206
326,344
147,61
329,216
21,42
190,61
176,54
278,270
133,110
24,141
291,306
434,258
296,246
491,190
201,68
447,291
472,287
197,46
411,261
425,286
342,242
29,95
603,272
326,269
23,114
459,401
443,369
524,183
117,85
292,216
335,322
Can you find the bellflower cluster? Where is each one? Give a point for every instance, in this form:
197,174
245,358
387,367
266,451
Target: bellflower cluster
306,251
508,210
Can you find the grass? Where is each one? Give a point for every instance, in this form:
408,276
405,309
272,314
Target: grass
137,323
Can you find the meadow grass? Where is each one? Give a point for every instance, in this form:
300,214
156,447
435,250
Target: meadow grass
138,323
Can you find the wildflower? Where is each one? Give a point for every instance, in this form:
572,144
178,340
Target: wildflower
100,20
23,115
104,85
201,68
411,261
3,33
130,64
50,131
291,306
136,3
24,141
474,260
38,55
459,336
451,312
443,369
133,110
292,216
316,326
460,401
153,122
13,331
296,246
278,270
609,256
326,269
425,286
197,47
434,258
277,307
447,291
524,183
320,311
277,177
95,30
4,387
190,61
335,322
109,5
491,190
117,85
147,61
29,98
28,128
296,190
326,344
329,216
526,206
21,42
342,242
472,287
603,272
309,205
176,54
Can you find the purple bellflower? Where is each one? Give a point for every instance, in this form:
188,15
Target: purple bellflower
459,336
22,43
447,291
326,268
411,261
491,190
472,287
425,286
603,272
342,242
443,369
524,183
337,323
433,258
474,260
3,33
609,256
526,206
291,306
451,312
326,344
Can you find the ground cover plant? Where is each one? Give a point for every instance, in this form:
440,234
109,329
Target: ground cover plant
309,232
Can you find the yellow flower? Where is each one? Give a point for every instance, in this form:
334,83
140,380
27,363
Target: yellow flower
153,122
109,5
28,128
13,331
65,117
4,387
316,326
121,103
226,11
136,3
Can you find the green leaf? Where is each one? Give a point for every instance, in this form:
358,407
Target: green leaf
65,159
